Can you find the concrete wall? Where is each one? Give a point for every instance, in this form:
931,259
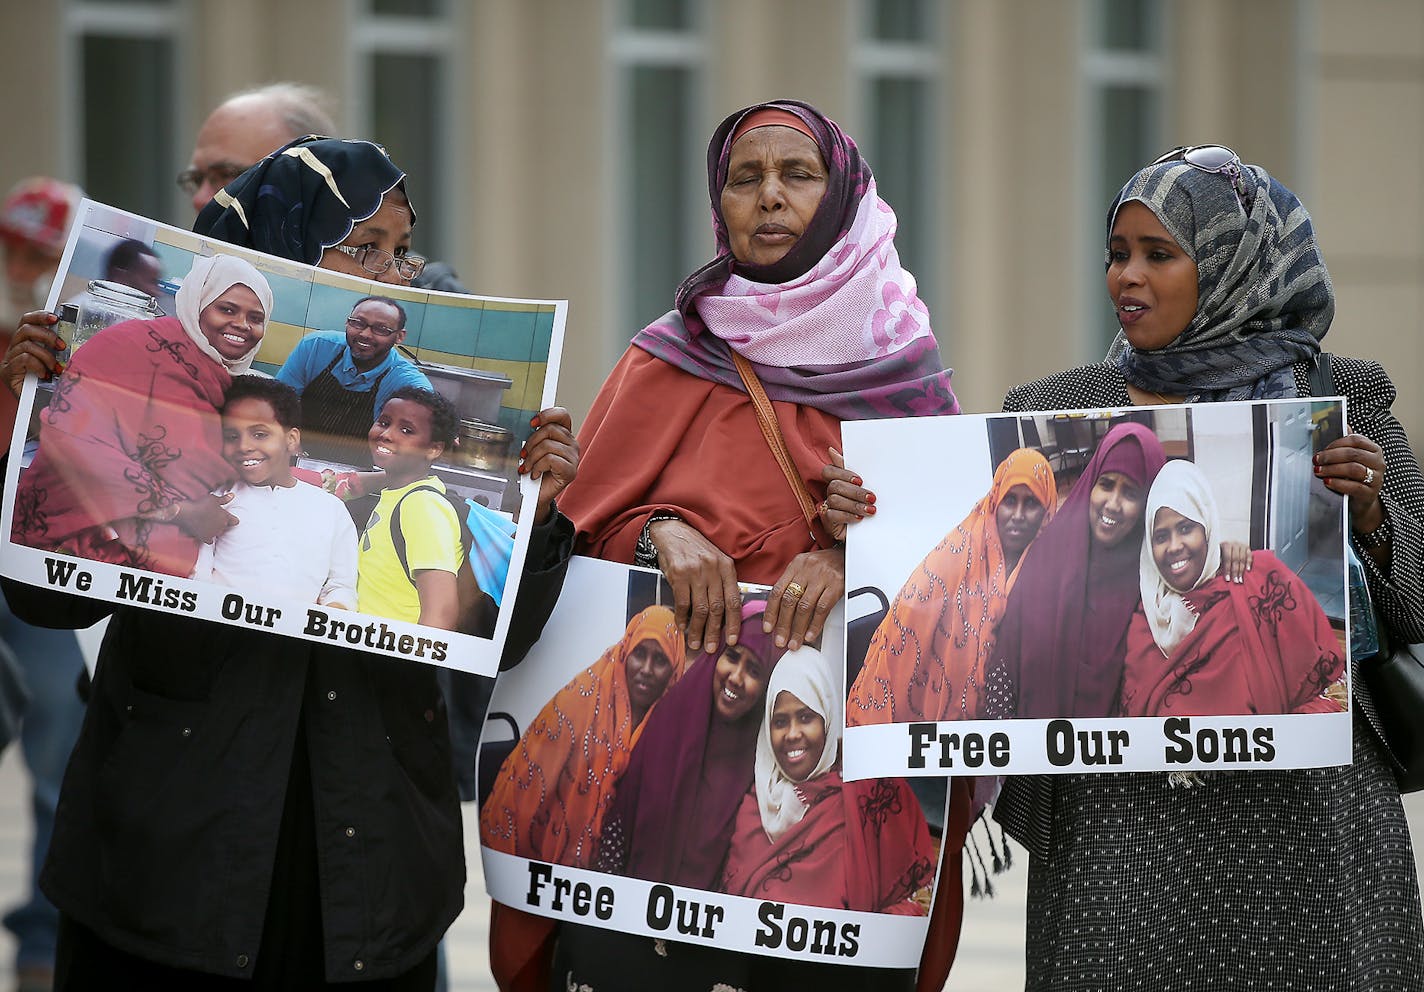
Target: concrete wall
1367,149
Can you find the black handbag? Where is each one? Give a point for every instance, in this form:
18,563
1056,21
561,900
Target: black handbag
1395,678
1394,675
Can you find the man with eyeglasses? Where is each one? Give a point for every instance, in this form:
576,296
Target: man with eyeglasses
244,128
343,379
247,126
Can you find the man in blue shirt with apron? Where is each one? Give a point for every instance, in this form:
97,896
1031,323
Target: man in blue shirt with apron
344,379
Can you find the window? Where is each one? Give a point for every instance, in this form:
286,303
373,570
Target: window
1123,69
658,53
404,74
898,61
123,148
660,15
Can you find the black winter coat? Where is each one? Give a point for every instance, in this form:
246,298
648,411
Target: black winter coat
168,818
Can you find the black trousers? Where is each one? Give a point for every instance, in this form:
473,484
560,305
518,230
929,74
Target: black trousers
607,960
290,956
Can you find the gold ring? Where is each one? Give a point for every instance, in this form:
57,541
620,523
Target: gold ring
795,590
823,508
1369,475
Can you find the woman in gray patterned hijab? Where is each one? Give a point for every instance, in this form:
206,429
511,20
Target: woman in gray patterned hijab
1301,879
1264,298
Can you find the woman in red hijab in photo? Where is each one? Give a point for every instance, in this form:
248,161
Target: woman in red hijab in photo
1063,637
1061,642
673,811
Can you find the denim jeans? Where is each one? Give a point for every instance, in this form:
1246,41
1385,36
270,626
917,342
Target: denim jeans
50,664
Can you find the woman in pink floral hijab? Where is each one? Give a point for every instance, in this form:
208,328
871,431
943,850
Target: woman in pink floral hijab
675,470
835,323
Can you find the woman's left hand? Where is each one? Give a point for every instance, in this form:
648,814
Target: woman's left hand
34,347
1354,467
797,617
551,455
847,500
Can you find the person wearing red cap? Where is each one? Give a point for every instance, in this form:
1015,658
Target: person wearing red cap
34,222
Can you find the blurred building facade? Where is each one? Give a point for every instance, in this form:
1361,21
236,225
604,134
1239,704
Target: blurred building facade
556,147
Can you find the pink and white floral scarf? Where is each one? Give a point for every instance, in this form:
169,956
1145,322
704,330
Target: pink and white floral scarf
836,324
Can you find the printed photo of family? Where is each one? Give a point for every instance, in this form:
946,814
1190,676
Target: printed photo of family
713,772
263,426
1136,563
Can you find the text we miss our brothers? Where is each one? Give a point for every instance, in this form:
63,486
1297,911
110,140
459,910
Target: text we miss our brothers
166,594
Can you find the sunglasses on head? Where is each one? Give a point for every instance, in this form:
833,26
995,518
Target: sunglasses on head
1216,159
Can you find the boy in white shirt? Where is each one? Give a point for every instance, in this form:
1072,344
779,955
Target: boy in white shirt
293,540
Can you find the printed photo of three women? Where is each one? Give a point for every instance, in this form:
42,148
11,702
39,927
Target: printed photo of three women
1137,563
718,772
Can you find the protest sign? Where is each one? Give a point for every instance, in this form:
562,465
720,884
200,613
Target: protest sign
627,785
1110,590
235,447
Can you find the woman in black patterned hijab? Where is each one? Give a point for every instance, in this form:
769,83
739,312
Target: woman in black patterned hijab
310,836
316,200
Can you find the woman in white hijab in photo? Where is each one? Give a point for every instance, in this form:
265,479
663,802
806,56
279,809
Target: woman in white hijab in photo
130,447
1202,645
804,835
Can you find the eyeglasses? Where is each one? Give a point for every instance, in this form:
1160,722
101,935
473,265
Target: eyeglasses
377,260
1216,159
217,176
380,330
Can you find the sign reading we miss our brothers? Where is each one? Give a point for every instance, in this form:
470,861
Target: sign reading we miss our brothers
600,794
1054,593
133,435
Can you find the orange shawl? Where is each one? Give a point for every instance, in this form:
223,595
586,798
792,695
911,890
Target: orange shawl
659,438
926,660
554,788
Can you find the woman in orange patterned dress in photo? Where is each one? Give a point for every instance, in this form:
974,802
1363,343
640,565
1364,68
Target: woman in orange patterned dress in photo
926,660
555,787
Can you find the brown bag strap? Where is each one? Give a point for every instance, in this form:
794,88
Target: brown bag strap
771,431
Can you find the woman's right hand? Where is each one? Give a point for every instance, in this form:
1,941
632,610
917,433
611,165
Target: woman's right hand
706,600
34,347
1235,561
204,518
847,500
551,455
